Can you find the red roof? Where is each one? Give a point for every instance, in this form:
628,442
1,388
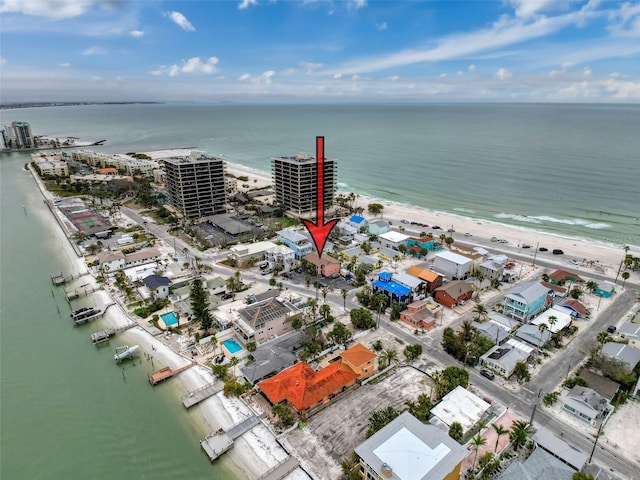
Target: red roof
555,288
304,387
560,275
576,306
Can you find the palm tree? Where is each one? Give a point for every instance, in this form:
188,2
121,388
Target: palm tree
545,277
592,286
214,342
456,432
233,361
519,432
500,430
625,276
552,321
344,292
476,443
325,292
316,284
313,307
481,311
542,327
307,279
603,337
388,356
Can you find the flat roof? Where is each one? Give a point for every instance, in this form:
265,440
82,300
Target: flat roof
559,448
393,236
563,319
453,257
411,450
392,287
462,406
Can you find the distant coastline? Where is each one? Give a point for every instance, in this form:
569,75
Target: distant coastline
11,106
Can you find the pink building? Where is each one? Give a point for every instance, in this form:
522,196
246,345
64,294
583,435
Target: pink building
326,265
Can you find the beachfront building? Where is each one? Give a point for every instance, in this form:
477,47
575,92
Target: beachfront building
586,404
296,241
526,300
123,163
266,320
421,314
433,455
502,359
195,185
141,257
157,285
432,279
395,292
110,261
452,265
453,293
97,179
326,266
378,227
51,164
419,245
305,388
18,135
295,181
358,222
247,253
393,239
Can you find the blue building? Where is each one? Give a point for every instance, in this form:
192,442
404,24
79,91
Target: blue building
526,300
357,221
297,242
605,289
394,291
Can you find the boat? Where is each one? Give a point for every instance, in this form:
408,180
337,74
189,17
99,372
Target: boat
125,352
84,312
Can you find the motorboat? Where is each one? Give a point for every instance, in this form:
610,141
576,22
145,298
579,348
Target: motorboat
125,352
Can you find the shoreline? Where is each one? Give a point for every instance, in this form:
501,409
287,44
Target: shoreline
256,451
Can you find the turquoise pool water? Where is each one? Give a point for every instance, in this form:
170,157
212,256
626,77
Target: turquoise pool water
232,345
169,319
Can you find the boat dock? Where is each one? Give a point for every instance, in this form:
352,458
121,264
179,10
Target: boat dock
99,313
104,335
77,293
166,372
60,279
201,394
219,442
281,469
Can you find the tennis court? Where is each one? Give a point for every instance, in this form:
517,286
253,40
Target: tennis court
85,219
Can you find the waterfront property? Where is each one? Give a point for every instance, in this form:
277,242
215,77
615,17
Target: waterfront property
432,455
265,320
232,346
168,320
84,218
378,227
525,300
418,244
157,285
51,164
560,277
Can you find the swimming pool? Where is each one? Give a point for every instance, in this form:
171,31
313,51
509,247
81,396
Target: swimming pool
170,319
232,345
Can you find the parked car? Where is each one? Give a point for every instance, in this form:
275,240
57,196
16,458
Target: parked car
451,230
468,234
495,239
543,249
404,221
487,373
526,245
227,296
611,329
436,227
557,251
574,261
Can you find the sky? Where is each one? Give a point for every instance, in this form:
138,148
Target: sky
320,51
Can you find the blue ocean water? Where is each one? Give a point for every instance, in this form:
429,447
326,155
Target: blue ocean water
565,169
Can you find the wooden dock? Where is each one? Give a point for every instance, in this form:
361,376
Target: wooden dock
166,372
100,313
104,335
60,279
201,394
281,470
77,293
219,442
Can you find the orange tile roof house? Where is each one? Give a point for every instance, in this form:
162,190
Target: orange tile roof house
561,276
418,314
306,388
325,265
433,279
107,171
360,359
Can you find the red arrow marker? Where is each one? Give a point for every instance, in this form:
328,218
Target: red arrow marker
319,230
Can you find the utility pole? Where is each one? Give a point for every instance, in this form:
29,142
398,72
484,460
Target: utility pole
535,406
595,442
535,253
568,370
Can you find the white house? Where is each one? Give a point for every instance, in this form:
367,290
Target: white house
282,256
393,239
245,253
452,265
562,319
586,404
157,285
111,261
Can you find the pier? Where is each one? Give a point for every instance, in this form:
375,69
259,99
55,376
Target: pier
166,372
60,279
201,394
281,470
100,336
219,442
81,293
99,313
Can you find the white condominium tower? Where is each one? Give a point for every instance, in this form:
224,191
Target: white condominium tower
195,185
295,182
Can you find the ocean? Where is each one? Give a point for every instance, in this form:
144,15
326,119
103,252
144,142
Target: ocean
68,411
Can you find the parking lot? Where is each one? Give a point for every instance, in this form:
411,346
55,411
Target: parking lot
216,236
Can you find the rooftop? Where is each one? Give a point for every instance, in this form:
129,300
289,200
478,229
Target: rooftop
393,236
358,354
625,353
407,280
423,273
462,406
392,287
559,275
433,454
326,259
540,465
453,257
154,281
528,291
588,396
559,448
605,387
455,288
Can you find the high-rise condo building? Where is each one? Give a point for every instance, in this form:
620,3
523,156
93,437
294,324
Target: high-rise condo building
195,185
17,135
295,182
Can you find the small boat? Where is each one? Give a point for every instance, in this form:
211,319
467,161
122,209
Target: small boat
125,352
83,312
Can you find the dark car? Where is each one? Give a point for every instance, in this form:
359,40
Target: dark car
436,227
227,296
526,245
611,329
557,251
543,249
487,373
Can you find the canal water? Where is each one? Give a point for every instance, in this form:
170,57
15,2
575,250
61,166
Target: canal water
67,410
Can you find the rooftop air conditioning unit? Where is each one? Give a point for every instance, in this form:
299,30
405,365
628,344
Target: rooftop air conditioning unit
386,470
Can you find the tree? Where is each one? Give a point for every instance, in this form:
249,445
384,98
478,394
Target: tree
495,283
625,277
550,398
582,476
576,293
387,356
518,435
377,345
476,443
421,408
375,208
456,432
500,430
284,414
251,346
552,321
316,285
200,304
380,418
325,311
412,352
233,361
545,277
603,337
448,379
362,319
307,279
344,292
339,334
480,311
521,371
592,286
220,372
325,292
296,323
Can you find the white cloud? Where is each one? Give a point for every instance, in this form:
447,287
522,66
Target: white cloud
180,20
262,79
528,8
96,78
309,68
64,65
195,65
628,20
94,51
173,70
156,73
244,4
442,75
459,73
381,26
136,33
394,78
53,9
472,68
503,74
357,4
244,77
587,72
337,76
3,60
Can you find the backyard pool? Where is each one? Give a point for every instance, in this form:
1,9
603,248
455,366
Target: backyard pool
232,345
170,319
